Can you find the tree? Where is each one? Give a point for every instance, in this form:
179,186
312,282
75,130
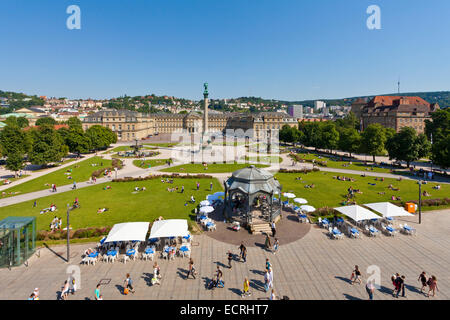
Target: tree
13,141
349,121
349,140
14,162
48,146
438,131
373,140
329,136
289,134
441,152
407,146
45,120
100,137
78,141
74,122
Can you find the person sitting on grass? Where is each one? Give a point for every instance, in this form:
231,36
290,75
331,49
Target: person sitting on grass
107,188
192,199
438,187
426,194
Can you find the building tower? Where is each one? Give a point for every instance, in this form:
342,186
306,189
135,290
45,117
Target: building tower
205,112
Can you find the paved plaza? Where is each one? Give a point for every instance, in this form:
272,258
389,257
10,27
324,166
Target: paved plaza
313,267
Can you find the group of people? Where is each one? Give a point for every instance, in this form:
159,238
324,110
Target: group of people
398,282
343,178
56,224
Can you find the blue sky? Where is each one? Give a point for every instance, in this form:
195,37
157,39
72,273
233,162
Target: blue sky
281,49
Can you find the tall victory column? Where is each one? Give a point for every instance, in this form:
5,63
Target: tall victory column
205,112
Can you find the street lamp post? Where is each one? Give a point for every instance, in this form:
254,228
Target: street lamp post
68,233
420,201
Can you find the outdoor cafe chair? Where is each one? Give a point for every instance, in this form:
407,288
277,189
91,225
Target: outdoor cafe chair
125,258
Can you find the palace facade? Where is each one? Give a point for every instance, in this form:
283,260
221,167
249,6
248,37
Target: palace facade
131,125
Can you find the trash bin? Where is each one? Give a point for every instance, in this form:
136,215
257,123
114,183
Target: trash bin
410,207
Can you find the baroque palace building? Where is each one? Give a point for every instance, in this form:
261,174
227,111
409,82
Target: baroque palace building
395,112
132,125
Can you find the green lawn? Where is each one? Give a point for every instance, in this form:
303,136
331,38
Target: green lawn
264,159
2,182
118,149
80,172
357,166
153,163
212,168
163,145
123,204
329,192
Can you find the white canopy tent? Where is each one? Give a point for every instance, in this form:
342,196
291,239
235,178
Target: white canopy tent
357,213
205,203
131,231
169,228
388,209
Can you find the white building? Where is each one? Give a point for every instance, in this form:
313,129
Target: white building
319,105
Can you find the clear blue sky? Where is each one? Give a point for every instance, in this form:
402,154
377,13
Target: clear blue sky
281,49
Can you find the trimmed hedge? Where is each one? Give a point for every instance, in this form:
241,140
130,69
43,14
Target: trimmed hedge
430,202
77,234
305,171
167,176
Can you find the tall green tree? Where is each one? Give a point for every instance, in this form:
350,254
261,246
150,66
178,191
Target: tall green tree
438,130
329,136
48,146
74,123
407,146
349,140
373,140
45,120
289,134
15,162
100,137
13,140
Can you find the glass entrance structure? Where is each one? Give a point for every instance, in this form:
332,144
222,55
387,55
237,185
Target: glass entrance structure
17,240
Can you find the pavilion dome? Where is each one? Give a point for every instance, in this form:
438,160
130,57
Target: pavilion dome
251,180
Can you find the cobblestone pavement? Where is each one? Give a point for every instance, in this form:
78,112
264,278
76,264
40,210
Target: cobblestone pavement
313,267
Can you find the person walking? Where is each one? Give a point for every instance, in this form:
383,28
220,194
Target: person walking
210,186
423,280
34,204
74,185
274,229
219,275
432,286
402,286
36,293
191,270
266,280
198,186
230,258
370,288
356,275
128,283
97,292
397,284
246,291
156,274
268,264
182,189
273,296
276,245
65,290
268,245
243,250
73,285
271,277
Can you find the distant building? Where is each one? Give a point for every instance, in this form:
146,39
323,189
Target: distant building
296,111
319,105
397,112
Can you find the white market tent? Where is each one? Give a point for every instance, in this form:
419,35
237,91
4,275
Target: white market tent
169,228
357,213
388,209
289,195
131,231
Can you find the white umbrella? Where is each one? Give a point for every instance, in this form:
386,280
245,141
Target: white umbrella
300,201
206,209
205,203
289,195
219,194
307,208
357,213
